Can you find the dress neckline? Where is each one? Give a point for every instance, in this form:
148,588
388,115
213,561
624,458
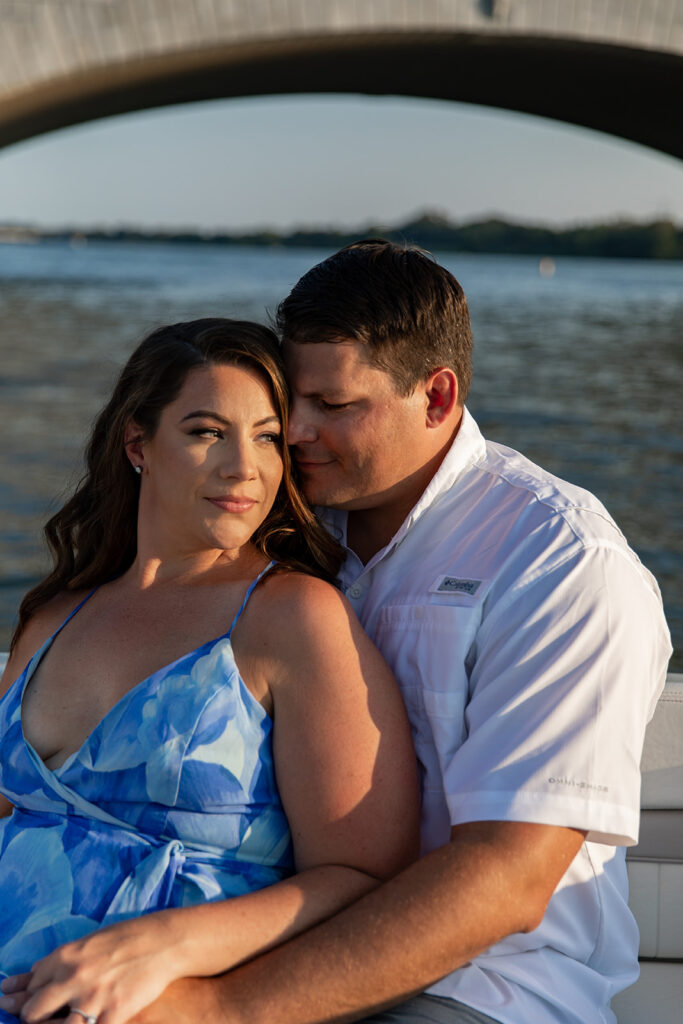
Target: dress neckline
35,661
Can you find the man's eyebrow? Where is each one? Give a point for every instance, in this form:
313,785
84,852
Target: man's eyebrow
209,414
323,393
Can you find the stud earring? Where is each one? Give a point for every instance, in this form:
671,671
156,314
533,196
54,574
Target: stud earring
138,470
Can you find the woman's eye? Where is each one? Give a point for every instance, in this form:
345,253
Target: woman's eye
270,438
206,432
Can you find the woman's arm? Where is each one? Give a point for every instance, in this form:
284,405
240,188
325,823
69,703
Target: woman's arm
6,680
347,777
345,763
34,635
346,774
39,627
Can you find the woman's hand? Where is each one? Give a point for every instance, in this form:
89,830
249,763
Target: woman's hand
111,974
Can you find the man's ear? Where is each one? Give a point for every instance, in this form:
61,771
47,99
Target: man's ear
133,441
441,389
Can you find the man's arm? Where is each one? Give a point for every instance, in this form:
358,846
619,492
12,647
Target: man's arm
492,879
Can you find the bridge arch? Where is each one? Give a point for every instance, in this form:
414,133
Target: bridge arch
613,67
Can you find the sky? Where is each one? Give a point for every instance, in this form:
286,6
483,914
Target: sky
288,162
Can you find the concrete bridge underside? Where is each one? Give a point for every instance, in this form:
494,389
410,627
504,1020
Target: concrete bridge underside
614,67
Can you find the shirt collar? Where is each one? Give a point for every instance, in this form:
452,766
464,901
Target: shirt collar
468,446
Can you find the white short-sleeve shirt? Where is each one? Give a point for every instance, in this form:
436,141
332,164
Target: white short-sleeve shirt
530,645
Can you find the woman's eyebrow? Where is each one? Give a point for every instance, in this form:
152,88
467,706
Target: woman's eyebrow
208,413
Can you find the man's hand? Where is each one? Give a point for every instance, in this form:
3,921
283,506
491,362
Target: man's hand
492,879
186,1002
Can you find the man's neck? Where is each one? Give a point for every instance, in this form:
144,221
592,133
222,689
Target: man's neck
370,529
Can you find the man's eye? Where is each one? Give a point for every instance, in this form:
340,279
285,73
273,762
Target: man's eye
333,406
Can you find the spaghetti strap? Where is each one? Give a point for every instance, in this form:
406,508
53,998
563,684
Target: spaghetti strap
38,655
73,611
250,590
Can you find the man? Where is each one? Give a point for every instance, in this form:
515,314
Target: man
530,645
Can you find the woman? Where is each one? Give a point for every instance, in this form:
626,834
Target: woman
160,795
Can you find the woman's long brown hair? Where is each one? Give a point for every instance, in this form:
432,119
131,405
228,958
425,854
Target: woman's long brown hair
93,538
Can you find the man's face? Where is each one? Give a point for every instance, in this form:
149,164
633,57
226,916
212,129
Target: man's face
357,442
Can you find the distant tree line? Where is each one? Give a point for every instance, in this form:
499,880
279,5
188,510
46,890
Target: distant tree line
656,240
659,240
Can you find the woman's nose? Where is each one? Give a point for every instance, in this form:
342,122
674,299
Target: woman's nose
238,461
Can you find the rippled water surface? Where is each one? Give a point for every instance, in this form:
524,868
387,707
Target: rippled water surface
581,371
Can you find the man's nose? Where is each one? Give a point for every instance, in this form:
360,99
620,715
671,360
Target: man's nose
301,428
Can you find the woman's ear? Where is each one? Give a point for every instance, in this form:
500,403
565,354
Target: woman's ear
442,397
133,441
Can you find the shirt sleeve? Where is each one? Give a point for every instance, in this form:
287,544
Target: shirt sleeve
565,671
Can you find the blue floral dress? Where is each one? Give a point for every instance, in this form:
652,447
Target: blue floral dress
170,801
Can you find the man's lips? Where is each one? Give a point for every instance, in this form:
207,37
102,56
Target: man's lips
232,503
311,465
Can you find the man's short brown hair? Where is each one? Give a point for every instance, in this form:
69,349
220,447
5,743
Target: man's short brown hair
410,312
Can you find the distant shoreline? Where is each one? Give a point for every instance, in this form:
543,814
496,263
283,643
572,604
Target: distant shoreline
655,240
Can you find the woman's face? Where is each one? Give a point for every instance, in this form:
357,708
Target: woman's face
212,470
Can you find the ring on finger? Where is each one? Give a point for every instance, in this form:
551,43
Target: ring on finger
89,1018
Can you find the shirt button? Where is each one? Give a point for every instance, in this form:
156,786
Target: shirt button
355,590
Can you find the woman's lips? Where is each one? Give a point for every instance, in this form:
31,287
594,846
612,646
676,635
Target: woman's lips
233,504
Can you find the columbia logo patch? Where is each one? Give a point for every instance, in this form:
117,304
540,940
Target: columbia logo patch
455,585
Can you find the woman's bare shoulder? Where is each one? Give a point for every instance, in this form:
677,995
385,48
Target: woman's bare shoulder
306,628
295,597
39,627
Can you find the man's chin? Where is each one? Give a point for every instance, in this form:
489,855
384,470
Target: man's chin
322,498
328,493
318,497
316,492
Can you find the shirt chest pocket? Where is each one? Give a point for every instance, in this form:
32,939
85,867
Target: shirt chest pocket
428,647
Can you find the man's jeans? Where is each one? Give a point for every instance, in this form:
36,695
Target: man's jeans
426,1009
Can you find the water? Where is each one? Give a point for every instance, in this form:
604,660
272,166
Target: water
581,371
